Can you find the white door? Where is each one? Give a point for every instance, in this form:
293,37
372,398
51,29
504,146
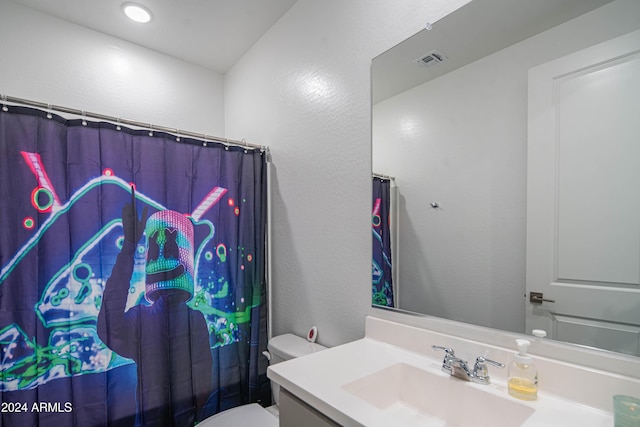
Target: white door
583,196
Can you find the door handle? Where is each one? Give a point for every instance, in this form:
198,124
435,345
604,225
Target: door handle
538,298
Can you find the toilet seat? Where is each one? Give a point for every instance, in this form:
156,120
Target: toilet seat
245,415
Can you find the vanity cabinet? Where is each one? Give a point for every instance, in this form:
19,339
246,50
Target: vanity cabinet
295,413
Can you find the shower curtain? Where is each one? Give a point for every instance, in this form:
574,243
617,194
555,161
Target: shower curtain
132,281
382,282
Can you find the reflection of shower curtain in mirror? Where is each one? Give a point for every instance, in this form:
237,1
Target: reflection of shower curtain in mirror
122,307
382,283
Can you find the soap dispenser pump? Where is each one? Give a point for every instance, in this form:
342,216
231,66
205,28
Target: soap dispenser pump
523,375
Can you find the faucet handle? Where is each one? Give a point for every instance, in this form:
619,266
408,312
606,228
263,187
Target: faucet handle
447,350
446,362
480,370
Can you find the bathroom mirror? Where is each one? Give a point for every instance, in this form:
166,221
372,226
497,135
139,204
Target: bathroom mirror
450,125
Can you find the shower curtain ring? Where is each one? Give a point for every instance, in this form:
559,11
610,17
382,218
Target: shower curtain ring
118,127
4,106
84,118
150,129
178,135
49,115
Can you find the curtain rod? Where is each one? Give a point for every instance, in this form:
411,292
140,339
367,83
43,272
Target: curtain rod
118,120
381,176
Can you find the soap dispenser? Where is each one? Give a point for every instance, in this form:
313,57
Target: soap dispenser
523,375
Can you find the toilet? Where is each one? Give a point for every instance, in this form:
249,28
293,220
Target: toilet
281,348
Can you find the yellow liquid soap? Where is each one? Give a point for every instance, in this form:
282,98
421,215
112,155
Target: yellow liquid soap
523,388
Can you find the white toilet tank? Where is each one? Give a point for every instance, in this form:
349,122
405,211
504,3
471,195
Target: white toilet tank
286,347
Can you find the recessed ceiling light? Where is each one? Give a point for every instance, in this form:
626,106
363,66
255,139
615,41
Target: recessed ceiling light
137,13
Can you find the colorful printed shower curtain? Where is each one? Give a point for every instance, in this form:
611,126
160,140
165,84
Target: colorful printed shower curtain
132,281
382,282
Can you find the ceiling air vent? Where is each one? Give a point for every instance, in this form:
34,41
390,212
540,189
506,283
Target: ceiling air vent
432,58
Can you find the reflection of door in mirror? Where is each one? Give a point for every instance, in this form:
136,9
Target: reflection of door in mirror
583,219
382,285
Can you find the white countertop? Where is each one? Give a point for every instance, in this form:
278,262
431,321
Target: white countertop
317,379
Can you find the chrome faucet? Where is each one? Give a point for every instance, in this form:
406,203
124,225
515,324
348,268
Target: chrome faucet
458,368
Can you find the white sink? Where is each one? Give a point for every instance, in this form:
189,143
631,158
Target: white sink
415,396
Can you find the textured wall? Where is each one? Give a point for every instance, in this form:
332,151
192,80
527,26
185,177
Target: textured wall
49,60
304,90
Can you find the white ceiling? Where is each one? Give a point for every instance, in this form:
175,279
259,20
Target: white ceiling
477,29
210,33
